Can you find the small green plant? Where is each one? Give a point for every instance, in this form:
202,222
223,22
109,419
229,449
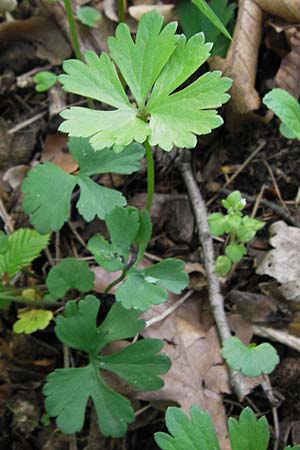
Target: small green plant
286,107
44,80
197,432
68,390
239,228
88,16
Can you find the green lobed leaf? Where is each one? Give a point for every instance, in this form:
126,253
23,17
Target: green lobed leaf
67,393
24,245
105,254
235,252
187,433
223,265
88,16
68,390
44,80
248,433
286,107
48,189
145,288
211,15
158,59
141,62
139,364
251,360
47,193
32,320
69,273
217,224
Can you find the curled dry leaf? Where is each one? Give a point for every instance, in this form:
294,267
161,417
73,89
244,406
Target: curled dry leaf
286,9
282,262
241,62
167,11
288,75
42,32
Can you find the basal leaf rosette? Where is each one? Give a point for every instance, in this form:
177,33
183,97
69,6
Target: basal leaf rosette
154,66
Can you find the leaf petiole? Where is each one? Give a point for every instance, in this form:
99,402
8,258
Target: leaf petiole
150,175
115,282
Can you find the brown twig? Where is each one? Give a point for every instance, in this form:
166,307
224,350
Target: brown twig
215,297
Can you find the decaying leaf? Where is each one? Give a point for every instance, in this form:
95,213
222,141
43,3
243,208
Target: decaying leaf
282,262
286,9
167,11
54,150
288,75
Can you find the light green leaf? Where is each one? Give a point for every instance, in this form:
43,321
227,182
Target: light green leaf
223,265
68,390
157,58
97,78
234,201
105,254
93,163
286,132
139,364
47,193
96,200
32,320
142,61
193,433
210,14
144,288
251,360
286,107
44,80
235,252
248,433
67,393
24,246
88,16
176,119
3,243
217,224
115,129
70,273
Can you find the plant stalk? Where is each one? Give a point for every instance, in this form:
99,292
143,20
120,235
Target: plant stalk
115,282
27,301
150,175
121,11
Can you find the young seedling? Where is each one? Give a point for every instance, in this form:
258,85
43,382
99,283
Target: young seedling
89,16
239,228
44,80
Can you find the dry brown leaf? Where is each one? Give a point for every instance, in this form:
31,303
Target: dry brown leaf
288,75
43,32
7,5
286,9
15,175
241,62
282,262
54,150
167,11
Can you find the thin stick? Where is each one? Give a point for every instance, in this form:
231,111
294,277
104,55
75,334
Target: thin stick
215,297
26,123
150,175
240,169
168,311
8,223
258,200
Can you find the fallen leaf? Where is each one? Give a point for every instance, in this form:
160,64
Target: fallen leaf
282,262
167,11
286,9
7,5
54,150
15,175
43,32
288,75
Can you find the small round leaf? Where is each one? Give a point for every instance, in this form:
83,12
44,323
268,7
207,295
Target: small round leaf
223,265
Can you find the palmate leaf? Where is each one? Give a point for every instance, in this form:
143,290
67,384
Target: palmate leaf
23,246
250,360
32,320
68,390
158,59
48,189
69,274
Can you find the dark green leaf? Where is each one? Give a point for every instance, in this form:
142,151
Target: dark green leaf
210,14
123,225
248,433
105,255
3,243
70,273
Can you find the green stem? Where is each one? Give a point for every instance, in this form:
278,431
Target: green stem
111,285
73,30
150,174
75,40
27,301
121,11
